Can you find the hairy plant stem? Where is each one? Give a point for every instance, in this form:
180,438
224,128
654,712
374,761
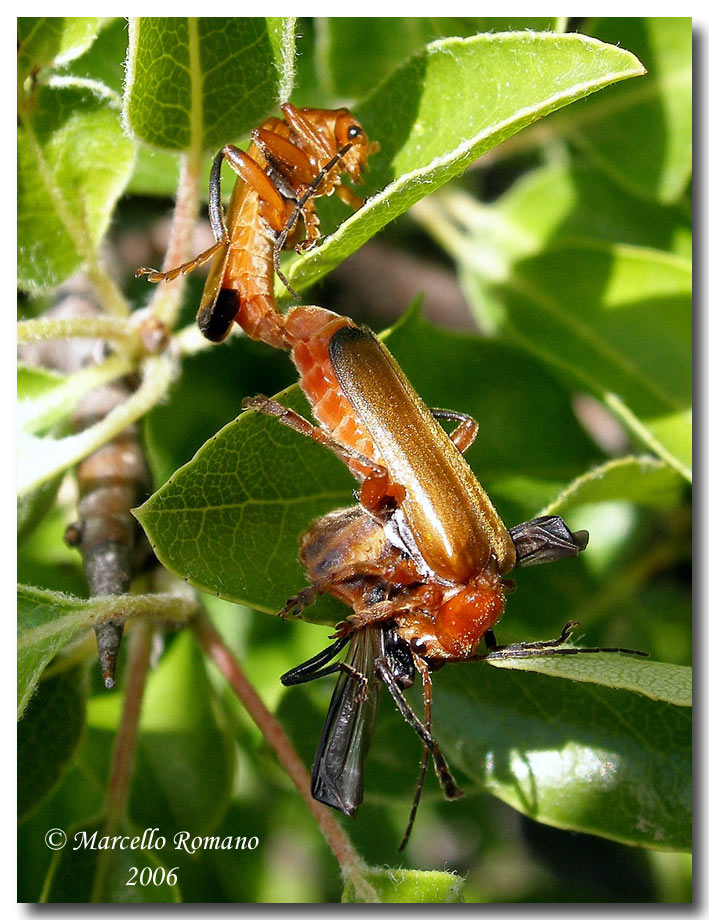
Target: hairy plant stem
351,864
166,302
45,329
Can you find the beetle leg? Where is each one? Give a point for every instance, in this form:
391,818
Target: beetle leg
304,130
448,784
298,210
467,430
345,193
314,668
294,605
272,204
378,493
154,276
311,222
284,156
490,640
291,419
425,673
546,648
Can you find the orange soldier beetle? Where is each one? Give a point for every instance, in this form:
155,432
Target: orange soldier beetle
290,162
421,561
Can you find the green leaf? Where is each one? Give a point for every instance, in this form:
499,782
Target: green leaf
48,735
668,683
229,526
354,53
184,420
579,756
443,109
48,620
104,61
229,521
33,506
504,737
187,79
407,886
43,41
184,767
562,203
641,134
73,163
616,319
640,480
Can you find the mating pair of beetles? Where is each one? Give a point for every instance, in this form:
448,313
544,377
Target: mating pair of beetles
421,560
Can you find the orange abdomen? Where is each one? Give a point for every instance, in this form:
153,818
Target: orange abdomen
309,330
248,274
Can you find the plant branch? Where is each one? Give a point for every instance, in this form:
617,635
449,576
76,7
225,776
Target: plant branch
42,458
351,864
121,765
165,303
124,748
85,327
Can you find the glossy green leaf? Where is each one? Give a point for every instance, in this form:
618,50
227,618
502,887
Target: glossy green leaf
74,161
229,521
407,886
443,109
186,78
576,755
184,763
48,735
639,134
229,526
518,735
46,40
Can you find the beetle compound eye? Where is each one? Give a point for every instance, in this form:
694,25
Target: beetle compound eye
354,131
